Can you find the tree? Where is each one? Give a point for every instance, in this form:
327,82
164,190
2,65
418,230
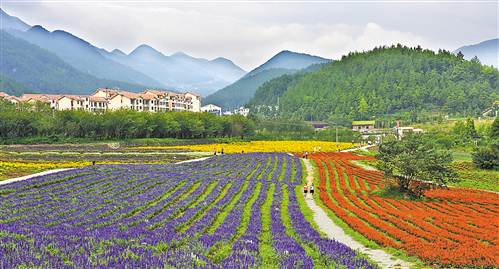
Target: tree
494,131
363,106
487,157
415,160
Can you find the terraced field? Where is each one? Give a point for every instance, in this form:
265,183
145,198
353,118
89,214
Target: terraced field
225,212
451,228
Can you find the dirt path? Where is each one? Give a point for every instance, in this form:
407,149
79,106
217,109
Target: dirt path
11,180
333,231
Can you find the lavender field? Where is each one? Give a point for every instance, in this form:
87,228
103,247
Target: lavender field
230,211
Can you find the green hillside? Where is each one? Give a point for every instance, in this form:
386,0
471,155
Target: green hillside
12,87
385,81
28,68
241,91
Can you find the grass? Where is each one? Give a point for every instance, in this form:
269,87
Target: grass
476,178
268,255
459,155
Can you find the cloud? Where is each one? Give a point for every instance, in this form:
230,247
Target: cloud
248,34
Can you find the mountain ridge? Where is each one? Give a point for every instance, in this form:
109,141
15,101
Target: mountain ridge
487,51
240,92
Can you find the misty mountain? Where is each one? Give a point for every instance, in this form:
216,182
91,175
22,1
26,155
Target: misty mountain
486,51
241,91
143,66
180,70
289,60
28,68
11,22
84,56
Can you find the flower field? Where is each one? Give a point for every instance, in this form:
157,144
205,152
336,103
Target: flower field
264,146
18,161
451,228
225,212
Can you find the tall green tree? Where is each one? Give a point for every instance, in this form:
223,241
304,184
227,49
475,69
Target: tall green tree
415,159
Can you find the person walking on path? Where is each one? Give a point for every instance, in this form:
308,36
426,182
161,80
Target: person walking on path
305,190
222,151
312,189
306,154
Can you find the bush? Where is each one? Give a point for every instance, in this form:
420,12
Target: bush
485,157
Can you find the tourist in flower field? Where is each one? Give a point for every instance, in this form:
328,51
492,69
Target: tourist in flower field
312,189
305,190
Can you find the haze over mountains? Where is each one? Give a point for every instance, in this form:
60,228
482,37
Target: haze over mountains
241,91
144,67
487,51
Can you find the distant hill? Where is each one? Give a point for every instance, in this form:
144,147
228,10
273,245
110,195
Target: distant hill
241,91
486,51
144,66
84,56
394,80
29,68
11,22
180,70
289,60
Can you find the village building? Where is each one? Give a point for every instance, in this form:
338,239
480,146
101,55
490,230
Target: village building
213,109
319,125
9,98
400,132
363,126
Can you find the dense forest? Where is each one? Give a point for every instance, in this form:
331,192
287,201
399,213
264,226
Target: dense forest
39,121
384,81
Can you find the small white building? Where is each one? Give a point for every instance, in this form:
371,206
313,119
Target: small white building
213,109
402,131
242,111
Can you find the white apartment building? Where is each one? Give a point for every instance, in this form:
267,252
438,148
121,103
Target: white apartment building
111,99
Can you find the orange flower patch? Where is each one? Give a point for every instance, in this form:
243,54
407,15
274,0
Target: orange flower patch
453,228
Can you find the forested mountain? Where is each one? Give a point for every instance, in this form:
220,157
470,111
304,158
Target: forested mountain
144,66
29,68
486,51
12,87
241,91
180,70
387,80
84,56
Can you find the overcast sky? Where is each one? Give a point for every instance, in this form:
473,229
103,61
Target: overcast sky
249,32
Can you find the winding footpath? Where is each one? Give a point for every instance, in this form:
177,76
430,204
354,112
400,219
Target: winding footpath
333,231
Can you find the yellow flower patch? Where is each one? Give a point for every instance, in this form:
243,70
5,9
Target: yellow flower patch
265,146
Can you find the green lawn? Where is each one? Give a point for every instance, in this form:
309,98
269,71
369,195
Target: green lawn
475,178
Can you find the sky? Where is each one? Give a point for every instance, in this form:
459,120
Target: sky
249,32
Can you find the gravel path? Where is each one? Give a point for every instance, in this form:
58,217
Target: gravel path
333,231
11,180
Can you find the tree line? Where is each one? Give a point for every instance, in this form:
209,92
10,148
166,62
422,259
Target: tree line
25,120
